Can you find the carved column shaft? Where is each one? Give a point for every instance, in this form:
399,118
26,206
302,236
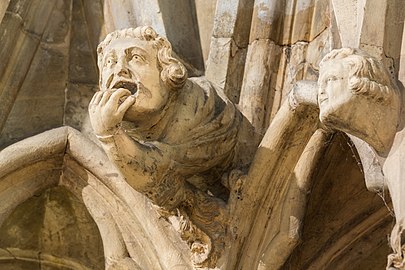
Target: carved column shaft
229,45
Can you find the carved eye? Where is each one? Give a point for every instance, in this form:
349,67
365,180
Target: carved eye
331,78
137,58
110,61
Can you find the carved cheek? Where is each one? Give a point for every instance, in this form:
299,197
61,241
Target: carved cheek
329,89
334,91
340,93
107,77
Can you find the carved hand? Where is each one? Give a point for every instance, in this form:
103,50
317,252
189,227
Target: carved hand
106,110
304,93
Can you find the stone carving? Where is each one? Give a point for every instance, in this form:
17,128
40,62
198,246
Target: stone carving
273,190
352,85
174,138
357,95
170,137
255,51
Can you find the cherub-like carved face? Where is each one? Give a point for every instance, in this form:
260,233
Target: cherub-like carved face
356,95
132,64
335,98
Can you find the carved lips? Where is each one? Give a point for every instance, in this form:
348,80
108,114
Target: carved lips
130,86
322,100
322,97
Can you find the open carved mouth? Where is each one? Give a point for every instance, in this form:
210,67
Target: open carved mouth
130,86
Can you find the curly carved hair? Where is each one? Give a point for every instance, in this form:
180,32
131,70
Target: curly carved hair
367,75
173,73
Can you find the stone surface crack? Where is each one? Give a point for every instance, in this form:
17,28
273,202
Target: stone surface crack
11,253
30,33
290,44
18,16
39,260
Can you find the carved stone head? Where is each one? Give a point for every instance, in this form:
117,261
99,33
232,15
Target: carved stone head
140,60
355,94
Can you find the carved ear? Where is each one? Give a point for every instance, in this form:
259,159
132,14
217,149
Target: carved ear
174,74
100,49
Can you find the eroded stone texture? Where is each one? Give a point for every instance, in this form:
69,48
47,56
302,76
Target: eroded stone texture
281,32
178,137
48,75
326,228
186,42
357,95
82,78
205,16
229,42
132,116
52,229
33,51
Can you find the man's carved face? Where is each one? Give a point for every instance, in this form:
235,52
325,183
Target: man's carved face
335,99
132,64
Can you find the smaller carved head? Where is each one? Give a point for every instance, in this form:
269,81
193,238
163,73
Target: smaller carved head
346,74
141,61
355,89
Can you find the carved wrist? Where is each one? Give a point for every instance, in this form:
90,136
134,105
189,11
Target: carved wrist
303,93
109,137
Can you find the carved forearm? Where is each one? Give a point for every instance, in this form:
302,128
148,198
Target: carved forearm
201,218
275,159
141,165
147,170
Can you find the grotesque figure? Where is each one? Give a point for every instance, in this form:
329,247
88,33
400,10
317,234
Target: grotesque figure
170,137
356,95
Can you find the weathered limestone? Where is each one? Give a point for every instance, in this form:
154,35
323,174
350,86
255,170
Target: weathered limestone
297,202
349,28
326,229
121,214
107,196
166,116
228,47
182,31
346,76
286,233
82,79
205,16
164,17
296,121
134,90
53,212
352,86
28,169
19,48
277,55
3,8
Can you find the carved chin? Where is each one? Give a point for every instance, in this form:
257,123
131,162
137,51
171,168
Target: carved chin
338,122
327,121
144,108
329,118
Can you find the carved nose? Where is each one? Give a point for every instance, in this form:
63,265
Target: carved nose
321,91
122,69
124,72
321,94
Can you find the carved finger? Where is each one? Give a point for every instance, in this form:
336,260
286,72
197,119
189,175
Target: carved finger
97,98
115,97
105,97
92,99
126,104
